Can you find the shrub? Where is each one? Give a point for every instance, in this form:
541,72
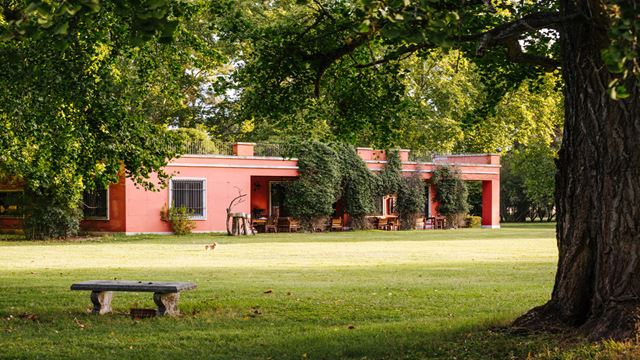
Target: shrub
196,140
451,194
180,220
51,214
473,221
391,175
312,196
411,201
359,186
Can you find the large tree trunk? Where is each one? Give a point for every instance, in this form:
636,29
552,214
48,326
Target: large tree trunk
597,288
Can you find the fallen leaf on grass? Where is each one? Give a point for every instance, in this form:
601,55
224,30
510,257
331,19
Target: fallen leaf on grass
253,312
80,325
27,316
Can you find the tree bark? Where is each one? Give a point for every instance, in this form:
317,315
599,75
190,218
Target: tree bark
597,286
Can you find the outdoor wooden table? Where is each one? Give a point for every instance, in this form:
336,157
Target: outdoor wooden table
165,294
259,223
384,222
430,220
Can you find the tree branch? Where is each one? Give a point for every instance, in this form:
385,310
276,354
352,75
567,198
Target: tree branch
324,60
506,34
397,54
528,23
324,10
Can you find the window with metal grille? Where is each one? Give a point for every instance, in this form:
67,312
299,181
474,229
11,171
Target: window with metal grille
95,203
190,194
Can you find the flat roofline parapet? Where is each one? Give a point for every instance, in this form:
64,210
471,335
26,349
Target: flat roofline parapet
250,150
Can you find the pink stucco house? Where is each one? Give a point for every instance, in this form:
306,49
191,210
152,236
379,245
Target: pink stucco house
207,183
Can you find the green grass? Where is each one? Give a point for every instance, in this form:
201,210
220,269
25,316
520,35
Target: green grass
413,295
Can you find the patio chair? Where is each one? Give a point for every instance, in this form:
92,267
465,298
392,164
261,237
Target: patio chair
392,224
336,224
288,224
271,224
430,221
294,224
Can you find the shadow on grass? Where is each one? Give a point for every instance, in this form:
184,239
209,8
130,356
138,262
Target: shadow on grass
395,312
195,337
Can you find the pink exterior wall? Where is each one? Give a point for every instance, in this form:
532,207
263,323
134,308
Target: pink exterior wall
134,210
491,204
224,176
243,149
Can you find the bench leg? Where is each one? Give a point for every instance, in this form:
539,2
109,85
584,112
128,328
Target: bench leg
101,301
167,303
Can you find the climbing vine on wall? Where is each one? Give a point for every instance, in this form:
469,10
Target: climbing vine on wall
359,186
451,194
411,200
391,175
311,197
328,173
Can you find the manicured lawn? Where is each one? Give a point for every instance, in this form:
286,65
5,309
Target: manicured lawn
415,295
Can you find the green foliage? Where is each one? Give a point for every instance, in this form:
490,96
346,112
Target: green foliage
473,221
441,89
528,182
411,201
343,71
451,193
475,197
536,165
180,220
391,175
531,113
514,206
359,186
196,141
328,173
622,53
78,105
51,215
313,194
32,19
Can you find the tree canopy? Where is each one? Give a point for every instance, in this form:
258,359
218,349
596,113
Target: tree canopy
89,86
313,57
87,91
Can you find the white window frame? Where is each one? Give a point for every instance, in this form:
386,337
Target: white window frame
98,218
204,196
385,209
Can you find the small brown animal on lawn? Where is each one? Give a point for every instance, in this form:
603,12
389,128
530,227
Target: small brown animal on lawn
210,246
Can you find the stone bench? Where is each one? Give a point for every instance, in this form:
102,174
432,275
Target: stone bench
165,294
